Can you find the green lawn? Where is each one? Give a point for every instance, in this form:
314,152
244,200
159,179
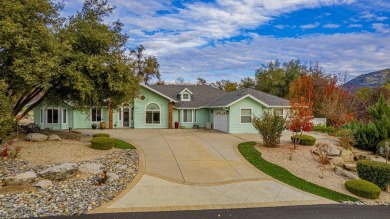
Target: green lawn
254,157
122,144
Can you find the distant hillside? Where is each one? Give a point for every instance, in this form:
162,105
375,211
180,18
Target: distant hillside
372,80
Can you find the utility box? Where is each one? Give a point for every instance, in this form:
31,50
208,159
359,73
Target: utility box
208,125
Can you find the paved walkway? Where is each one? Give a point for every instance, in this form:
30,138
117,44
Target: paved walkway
197,169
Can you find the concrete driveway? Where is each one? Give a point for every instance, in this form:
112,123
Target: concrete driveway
197,169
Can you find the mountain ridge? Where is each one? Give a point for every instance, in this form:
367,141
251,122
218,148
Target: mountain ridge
371,80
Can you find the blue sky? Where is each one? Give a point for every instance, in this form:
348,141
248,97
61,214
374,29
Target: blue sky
230,39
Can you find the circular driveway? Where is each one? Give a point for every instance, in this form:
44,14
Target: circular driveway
191,169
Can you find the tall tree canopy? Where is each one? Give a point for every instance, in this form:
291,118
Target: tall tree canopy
275,78
146,67
81,59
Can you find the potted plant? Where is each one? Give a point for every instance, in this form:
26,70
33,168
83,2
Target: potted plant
94,126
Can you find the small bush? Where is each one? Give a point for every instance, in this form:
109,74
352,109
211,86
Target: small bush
363,188
321,128
102,143
381,144
101,135
270,126
375,172
346,139
304,139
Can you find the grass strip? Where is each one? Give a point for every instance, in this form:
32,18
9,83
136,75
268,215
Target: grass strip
122,144
254,157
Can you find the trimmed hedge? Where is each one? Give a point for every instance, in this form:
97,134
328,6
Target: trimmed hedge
101,135
325,129
363,188
375,172
304,139
102,143
381,144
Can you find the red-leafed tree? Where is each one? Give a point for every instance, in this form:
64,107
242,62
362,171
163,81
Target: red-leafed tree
337,105
301,102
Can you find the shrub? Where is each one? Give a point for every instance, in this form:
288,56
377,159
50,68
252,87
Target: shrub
366,135
304,139
101,135
270,127
346,138
321,128
375,172
102,143
382,144
363,188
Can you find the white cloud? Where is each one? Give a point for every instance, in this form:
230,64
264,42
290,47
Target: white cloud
381,28
282,27
310,26
331,26
355,26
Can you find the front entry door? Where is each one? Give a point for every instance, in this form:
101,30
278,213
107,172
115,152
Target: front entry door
126,117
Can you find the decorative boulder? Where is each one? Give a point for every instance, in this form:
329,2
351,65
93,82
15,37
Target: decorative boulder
337,161
333,152
350,167
112,177
59,172
92,168
54,137
347,155
340,171
36,137
22,178
45,183
362,157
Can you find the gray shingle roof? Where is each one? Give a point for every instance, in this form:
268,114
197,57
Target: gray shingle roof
229,97
202,94
207,96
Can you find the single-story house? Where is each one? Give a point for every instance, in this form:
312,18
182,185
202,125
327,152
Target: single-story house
169,106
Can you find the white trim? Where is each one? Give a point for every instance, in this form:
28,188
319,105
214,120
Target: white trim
146,105
192,116
159,93
59,119
186,89
250,96
251,115
185,99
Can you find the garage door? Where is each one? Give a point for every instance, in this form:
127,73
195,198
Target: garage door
221,120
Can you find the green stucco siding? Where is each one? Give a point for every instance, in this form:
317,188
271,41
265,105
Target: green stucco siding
140,109
83,120
202,116
235,125
60,125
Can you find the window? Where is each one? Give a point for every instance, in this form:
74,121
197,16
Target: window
278,112
187,115
246,115
96,114
186,96
52,116
152,114
41,116
64,116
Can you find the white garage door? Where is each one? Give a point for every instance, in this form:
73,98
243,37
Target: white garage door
221,120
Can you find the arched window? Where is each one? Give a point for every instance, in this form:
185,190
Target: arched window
152,114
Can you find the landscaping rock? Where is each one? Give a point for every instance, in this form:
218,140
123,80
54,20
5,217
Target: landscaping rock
21,178
112,177
337,161
340,171
350,167
122,167
45,183
333,152
378,159
54,137
59,172
347,155
36,137
358,157
92,168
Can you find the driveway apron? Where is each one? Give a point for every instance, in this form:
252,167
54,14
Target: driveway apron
197,169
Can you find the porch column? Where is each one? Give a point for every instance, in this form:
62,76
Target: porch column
110,116
170,115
